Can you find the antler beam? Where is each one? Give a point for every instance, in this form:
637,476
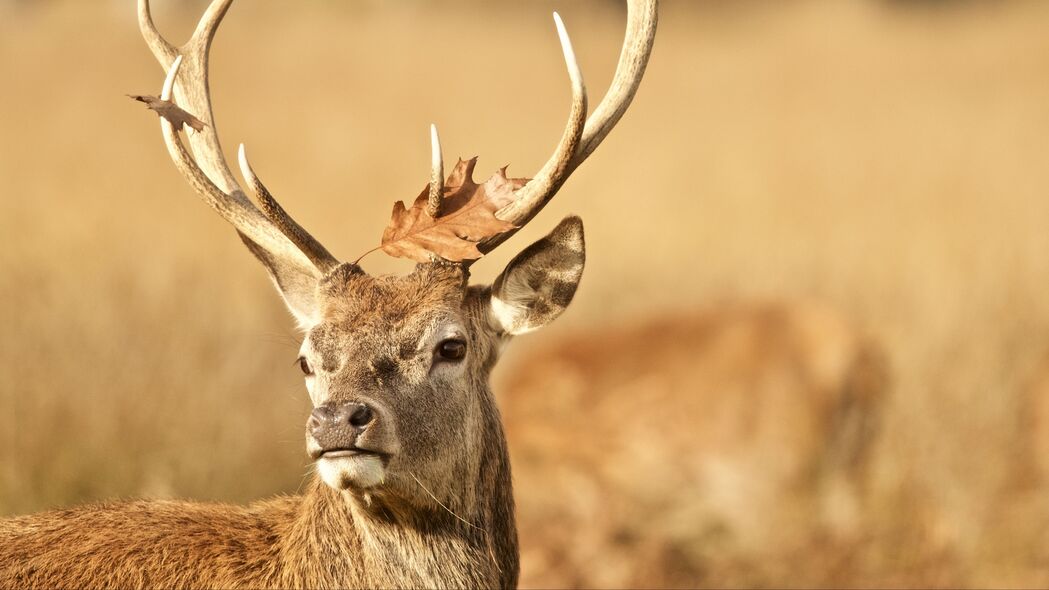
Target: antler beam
271,229
582,135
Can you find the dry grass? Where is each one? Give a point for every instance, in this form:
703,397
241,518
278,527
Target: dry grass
887,161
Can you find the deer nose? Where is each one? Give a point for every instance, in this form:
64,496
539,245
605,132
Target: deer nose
337,426
326,417
361,416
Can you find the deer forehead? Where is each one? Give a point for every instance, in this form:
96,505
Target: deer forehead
350,295
389,319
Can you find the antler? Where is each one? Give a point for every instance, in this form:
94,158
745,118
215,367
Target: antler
433,204
582,135
272,234
271,229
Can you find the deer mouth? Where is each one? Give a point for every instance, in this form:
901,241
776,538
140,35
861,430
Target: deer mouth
352,468
336,453
344,452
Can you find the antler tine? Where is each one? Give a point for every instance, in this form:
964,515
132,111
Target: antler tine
433,205
209,24
534,195
314,250
192,89
169,80
165,52
581,137
642,18
209,173
249,222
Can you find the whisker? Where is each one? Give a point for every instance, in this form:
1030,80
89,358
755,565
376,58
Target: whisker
447,509
310,469
487,537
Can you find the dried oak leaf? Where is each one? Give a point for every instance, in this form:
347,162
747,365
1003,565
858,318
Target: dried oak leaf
170,111
467,217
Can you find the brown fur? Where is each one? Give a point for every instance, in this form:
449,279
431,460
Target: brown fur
442,514
310,541
658,446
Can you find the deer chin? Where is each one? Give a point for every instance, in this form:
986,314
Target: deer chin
357,471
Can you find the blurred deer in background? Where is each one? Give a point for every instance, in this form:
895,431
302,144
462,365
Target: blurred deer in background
658,445
414,479
1034,424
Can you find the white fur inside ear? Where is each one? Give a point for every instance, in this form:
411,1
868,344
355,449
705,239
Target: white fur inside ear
510,317
302,322
539,283
510,306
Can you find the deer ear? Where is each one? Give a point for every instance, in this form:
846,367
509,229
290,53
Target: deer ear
297,284
540,282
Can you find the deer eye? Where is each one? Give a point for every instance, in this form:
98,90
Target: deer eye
451,350
305,366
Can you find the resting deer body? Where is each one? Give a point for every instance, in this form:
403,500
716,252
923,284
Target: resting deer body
758,423
413,486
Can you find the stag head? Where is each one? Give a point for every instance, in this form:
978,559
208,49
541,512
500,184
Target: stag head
397,366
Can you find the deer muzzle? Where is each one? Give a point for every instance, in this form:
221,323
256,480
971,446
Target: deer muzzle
352,443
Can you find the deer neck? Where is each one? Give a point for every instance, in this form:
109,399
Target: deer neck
349,539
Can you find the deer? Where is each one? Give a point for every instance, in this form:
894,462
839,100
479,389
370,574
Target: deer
412,484
1032,421
672,444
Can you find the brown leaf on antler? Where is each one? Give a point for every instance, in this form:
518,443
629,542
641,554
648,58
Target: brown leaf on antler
467,217
170,111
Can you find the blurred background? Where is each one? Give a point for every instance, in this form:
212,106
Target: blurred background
811,347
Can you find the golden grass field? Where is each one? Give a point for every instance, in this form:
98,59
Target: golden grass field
886,159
